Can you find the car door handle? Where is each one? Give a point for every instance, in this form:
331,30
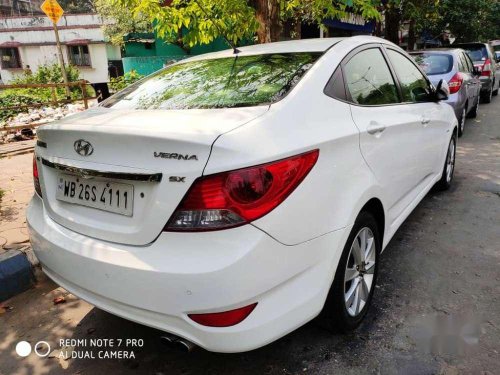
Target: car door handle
375,128
425,120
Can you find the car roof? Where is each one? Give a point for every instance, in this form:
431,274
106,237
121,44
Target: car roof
470,44
290,46
436,51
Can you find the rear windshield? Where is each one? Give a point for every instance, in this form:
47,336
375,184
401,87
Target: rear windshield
434,63
219,83
477,52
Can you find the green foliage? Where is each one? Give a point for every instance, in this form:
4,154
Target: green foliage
50,73
470,20
11,98
425,13
119,21
77,6
318,10
2,192
186,23
119,83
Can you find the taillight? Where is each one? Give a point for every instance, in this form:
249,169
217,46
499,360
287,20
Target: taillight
36,179
223,319
455,83
230,199
486,70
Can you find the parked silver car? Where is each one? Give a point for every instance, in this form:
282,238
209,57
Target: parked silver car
456,68
486,62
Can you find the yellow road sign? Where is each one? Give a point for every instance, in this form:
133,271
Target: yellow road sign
52,9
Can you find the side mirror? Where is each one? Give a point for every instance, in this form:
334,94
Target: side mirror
442,90
476,71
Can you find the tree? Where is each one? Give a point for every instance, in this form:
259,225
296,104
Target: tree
118,21
481,23
420,14
202,21
77,6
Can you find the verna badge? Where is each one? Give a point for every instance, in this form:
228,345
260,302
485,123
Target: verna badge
174,155
83,148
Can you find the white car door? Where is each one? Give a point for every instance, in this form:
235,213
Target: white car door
434,123
391,133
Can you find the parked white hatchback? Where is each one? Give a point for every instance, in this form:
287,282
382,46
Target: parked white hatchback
231,197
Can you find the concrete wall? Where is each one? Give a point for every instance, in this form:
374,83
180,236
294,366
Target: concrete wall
35,39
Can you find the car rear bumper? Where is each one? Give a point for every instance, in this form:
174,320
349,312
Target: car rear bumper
159,284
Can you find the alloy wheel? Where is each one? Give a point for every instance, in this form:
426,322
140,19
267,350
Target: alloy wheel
359,273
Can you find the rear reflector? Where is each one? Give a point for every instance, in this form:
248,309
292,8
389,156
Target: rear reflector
36,179
228,199
223,319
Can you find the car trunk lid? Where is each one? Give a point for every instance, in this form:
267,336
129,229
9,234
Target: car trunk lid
156,155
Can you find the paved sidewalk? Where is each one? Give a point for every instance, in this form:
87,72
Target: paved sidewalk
16,180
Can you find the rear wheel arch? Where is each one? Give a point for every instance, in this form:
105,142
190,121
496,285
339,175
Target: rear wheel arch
375,207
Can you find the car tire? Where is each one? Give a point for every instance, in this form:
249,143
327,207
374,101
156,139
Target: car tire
474,111
487,96
345,308
461,120
447,175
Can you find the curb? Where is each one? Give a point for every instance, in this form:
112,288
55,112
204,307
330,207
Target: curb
17,272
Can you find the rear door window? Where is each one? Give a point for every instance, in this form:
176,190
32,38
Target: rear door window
238,81
369,80
468,61
462,65
414,85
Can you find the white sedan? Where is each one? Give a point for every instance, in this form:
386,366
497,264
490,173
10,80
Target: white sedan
232,197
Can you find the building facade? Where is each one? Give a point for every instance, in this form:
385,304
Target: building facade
10,8
26,42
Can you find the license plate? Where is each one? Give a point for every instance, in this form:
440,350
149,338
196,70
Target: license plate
103,195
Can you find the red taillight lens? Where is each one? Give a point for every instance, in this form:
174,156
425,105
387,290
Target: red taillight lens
455,83
229,199
223,319
486,70
36,180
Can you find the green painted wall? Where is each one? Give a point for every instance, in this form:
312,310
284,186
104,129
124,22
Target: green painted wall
146,65
148,60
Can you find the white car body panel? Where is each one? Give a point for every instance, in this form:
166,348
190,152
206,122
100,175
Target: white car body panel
134,139
285,260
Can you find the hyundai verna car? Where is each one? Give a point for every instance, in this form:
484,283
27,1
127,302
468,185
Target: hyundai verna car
230,198
456,67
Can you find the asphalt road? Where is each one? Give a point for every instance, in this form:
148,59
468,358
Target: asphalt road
439,285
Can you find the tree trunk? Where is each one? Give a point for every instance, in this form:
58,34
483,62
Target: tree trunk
267,14
412,38
392,18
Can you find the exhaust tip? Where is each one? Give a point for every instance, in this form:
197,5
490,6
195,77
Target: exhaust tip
178,343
